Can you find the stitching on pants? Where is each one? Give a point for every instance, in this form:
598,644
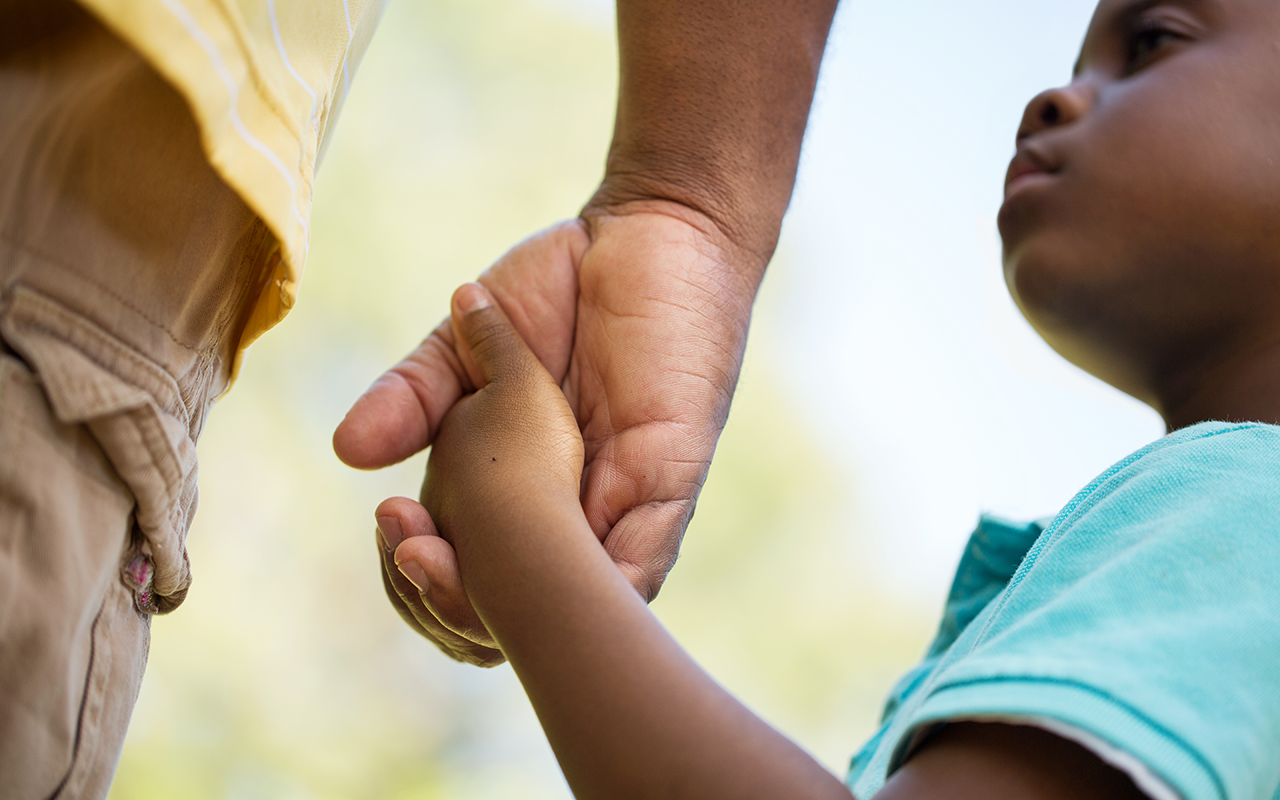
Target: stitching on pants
254,254
81,328
160,450
84,700
18,370
9,239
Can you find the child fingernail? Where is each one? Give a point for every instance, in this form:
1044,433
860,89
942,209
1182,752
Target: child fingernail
473,297
390,532
414,573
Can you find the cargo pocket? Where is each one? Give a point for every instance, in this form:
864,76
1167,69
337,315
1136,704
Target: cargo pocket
134,411
72,643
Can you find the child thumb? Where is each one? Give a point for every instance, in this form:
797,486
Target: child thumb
488,343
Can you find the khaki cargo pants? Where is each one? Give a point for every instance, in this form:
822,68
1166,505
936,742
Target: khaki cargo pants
125,265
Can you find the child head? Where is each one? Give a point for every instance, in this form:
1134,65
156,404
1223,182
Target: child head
1141,224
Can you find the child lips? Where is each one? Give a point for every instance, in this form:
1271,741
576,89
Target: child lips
1026,167
1019,181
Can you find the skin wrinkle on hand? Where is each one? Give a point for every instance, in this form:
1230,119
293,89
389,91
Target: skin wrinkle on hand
712,243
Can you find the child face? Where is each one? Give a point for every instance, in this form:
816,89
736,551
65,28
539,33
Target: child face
1141,221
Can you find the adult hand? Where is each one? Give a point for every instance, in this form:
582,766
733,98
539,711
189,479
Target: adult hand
640,309
641,314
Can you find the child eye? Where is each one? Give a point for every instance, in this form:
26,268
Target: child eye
1146,42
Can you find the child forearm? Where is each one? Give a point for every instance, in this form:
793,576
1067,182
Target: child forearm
627,712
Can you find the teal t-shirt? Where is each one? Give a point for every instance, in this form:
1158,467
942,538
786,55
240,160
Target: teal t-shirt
1146,616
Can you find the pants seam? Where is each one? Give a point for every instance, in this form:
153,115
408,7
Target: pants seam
91,341
84,702
9,239
252,254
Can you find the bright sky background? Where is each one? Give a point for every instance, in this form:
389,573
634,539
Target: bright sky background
898,331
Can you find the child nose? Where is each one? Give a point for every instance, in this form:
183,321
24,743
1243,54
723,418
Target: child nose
1053,108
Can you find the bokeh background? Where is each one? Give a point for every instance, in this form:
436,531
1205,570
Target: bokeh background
891,393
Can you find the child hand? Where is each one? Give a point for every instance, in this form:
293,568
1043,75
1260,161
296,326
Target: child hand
508,455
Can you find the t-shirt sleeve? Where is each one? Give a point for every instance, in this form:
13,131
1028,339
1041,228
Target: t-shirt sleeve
1147,616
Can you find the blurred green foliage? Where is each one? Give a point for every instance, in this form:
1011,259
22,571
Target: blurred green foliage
286,675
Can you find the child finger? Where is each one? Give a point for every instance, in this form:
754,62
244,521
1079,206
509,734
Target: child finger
488,344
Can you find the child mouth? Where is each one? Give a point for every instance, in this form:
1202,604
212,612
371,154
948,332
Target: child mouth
1027,167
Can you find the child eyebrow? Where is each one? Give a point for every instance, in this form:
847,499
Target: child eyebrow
1122,19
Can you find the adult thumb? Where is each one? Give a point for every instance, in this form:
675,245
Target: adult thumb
487,342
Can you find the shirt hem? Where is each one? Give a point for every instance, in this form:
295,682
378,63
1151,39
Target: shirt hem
1077,707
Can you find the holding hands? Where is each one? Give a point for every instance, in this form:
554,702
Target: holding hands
640,319
620,701
638,310
507,460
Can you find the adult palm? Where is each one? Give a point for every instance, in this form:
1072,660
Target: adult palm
641,315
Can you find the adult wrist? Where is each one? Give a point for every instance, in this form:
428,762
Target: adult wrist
745,231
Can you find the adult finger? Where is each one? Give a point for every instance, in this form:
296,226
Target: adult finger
398,415
427,590
645,542
536,285
424,567
456,647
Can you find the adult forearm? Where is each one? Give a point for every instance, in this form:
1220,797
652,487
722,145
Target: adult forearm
712,105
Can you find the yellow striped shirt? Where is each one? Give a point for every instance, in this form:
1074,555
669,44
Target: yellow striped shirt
265,80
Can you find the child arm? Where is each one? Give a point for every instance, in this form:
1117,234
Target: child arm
626,710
